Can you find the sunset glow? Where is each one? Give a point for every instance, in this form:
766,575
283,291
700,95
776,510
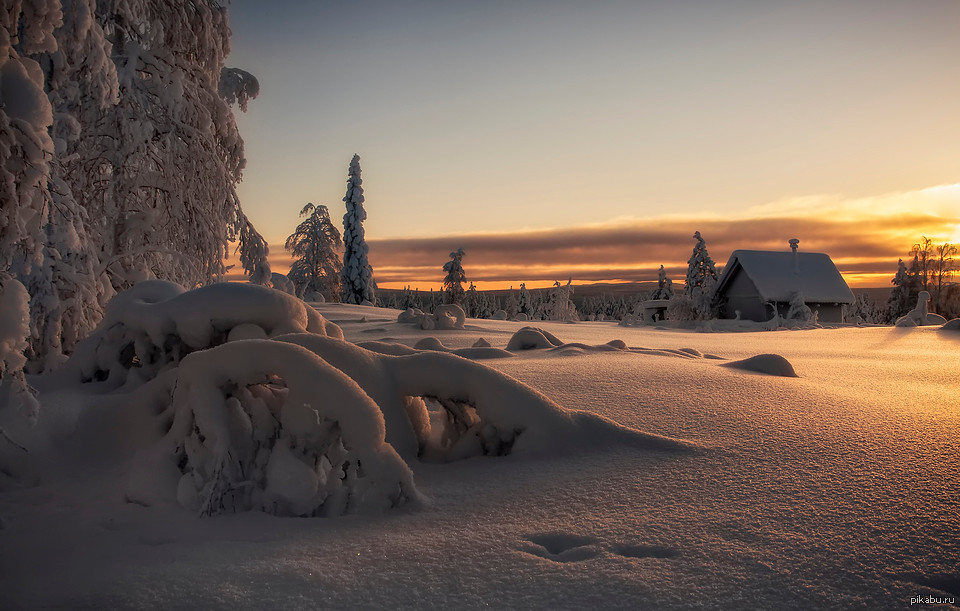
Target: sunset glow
556,140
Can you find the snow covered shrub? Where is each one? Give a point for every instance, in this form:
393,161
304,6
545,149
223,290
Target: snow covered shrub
799,310
449,316
269,425
681,307
155,324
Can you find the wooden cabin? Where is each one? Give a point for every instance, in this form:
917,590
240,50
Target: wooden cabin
755,283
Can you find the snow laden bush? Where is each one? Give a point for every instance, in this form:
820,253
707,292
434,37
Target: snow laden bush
269,425
155,324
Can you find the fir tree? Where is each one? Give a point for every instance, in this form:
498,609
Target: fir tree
315,243
453,282
357,275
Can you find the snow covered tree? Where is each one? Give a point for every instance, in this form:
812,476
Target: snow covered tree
453,282
316,244
701,278
664,286
357,275
560,306
512,306
524,306
904,294
168,153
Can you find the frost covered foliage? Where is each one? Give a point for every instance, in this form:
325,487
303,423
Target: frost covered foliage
154,325
14,330
43,232
119,156
701,279
315,245
238,87
271,426
453,281
254,254
357,275
664,286
168,153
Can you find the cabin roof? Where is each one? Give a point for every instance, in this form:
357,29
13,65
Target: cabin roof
779,274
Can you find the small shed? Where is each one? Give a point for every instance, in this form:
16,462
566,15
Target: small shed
754,282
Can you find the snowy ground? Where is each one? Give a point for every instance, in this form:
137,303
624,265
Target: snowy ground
839,488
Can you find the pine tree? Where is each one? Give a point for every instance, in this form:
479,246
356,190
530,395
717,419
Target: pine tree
453,282
316,244
357,275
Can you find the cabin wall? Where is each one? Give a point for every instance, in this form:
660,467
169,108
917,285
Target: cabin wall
741,294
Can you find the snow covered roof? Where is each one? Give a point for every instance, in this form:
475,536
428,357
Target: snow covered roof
778,274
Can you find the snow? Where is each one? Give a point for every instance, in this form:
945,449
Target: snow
832,490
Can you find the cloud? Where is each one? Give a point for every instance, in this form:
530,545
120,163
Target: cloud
864,236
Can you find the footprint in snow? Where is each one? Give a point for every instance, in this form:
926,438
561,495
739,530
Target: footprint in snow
568,547
645,551
561,547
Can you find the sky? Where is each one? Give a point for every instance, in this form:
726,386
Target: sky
591,139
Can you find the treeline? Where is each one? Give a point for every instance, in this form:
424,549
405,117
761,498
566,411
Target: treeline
931,269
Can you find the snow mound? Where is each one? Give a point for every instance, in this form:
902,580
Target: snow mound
474,352
268,425
771,364
532,338
481,343
156,324
919,315
952,325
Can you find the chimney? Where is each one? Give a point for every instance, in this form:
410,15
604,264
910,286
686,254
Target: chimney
796,260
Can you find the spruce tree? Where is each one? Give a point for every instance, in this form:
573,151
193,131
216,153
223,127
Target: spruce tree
453,282
357,275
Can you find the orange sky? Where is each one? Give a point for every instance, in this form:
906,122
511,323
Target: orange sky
864,236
